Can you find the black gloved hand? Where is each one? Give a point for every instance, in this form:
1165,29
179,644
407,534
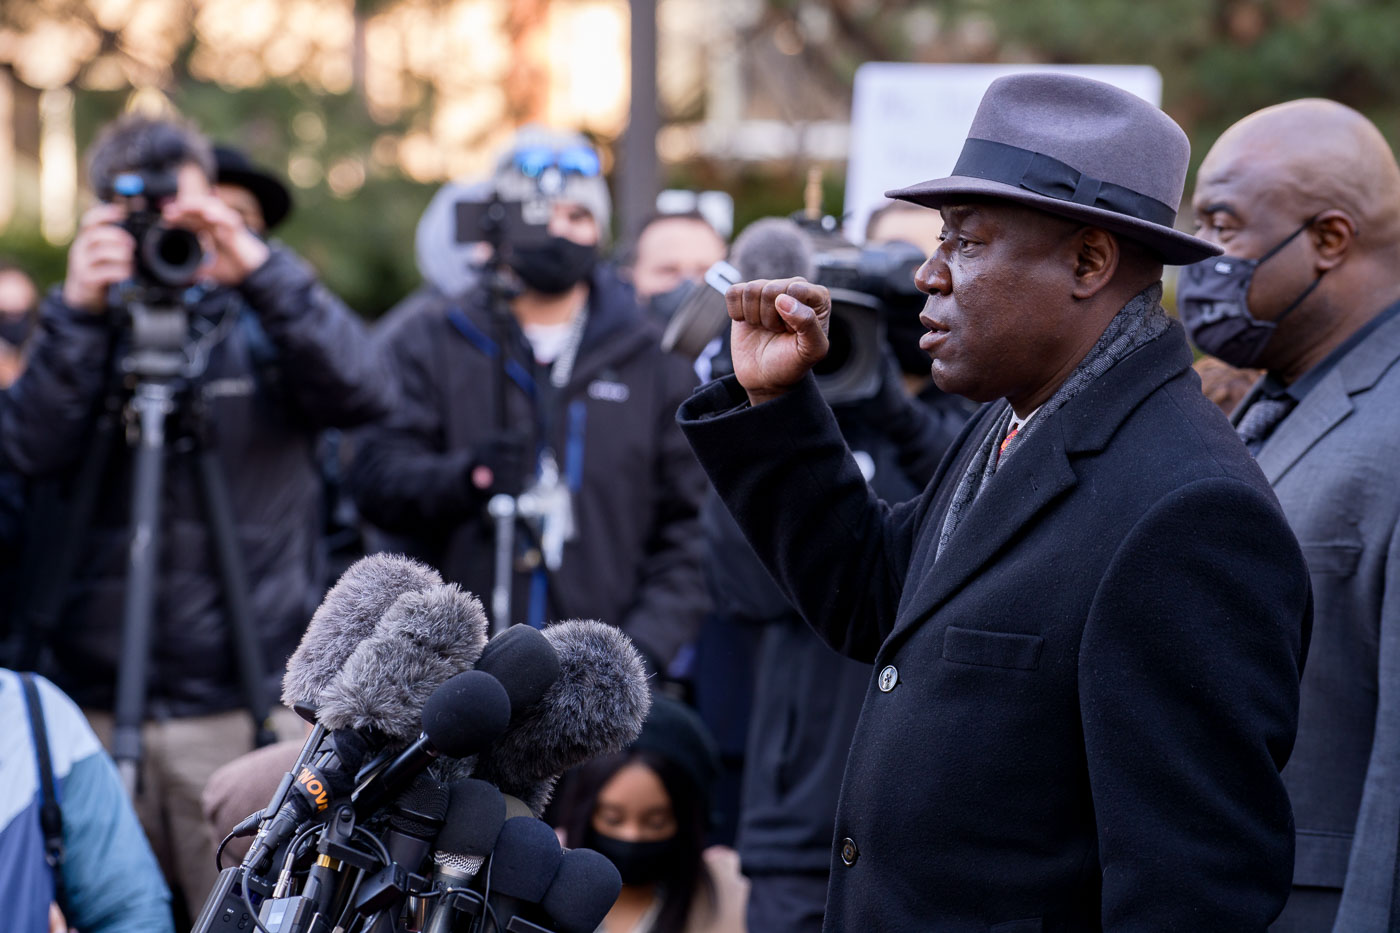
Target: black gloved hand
499,465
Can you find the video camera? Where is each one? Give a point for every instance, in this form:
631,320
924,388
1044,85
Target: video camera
866,284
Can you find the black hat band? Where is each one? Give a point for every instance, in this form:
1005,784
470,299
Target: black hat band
1048,176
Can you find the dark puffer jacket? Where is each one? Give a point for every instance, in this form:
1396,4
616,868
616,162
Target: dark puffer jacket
636,486
285,358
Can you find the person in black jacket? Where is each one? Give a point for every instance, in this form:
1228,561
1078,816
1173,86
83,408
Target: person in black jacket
586,388
284,359
1087,633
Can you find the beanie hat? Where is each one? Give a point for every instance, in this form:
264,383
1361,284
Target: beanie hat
676,733
588,189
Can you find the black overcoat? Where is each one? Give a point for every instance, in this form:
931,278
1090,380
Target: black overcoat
1078,714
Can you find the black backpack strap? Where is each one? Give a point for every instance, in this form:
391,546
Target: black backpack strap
50,814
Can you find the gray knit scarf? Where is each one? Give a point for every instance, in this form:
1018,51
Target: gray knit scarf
1136,324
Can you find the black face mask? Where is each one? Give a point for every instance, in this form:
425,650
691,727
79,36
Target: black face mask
553,266
637,862
665,305
15,328
1212,299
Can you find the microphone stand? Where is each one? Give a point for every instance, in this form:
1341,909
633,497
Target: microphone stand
502,506
546,506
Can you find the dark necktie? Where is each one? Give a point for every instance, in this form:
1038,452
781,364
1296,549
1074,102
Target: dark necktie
1260,419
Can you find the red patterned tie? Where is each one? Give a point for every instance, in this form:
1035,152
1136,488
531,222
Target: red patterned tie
1007,440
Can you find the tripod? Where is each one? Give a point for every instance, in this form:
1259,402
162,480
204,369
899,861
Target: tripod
545,506
154,391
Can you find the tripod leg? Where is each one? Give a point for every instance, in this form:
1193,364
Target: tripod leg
152,402
213,488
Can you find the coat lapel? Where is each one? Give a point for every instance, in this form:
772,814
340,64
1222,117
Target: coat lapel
1030,480
1329,402
1036,475
1319,412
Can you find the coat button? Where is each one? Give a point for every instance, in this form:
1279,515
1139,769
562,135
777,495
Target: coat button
888,678
849,851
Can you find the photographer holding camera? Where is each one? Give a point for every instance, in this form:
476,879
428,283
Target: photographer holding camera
583,393
167,290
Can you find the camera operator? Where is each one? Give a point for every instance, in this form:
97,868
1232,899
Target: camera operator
586,386
283,358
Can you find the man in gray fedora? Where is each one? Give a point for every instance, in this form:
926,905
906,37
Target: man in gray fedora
1087,632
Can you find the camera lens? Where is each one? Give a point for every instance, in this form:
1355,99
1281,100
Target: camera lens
840,337
172,255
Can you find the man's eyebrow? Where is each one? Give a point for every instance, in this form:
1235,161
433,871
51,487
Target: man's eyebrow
1219,207
959,213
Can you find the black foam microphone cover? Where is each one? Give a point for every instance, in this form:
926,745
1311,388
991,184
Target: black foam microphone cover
525,663
526,857
584,889
466,714
476,811
596,707
461,717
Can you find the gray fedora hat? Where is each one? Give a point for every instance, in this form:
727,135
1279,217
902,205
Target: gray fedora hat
1078,148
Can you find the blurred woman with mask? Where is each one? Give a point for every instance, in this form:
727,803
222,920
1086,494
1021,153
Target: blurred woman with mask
647,809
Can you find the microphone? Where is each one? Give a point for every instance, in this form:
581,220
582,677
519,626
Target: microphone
415,819
461,717
313,788
475,814
773,248
525,860
347,614
525,663
596,707
424,638
584,889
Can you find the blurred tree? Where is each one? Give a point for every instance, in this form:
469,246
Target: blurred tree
1220,59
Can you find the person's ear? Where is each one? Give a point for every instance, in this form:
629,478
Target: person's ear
1332,234
1096,255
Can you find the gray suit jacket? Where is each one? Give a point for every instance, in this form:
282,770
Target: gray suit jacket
1334,463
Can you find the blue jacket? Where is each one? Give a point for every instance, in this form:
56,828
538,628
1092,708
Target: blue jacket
111,878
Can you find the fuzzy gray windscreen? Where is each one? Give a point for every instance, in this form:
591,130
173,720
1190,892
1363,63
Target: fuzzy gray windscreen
423,639
773,248
361,596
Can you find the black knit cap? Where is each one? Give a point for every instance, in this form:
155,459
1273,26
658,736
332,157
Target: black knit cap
235,168
675,732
